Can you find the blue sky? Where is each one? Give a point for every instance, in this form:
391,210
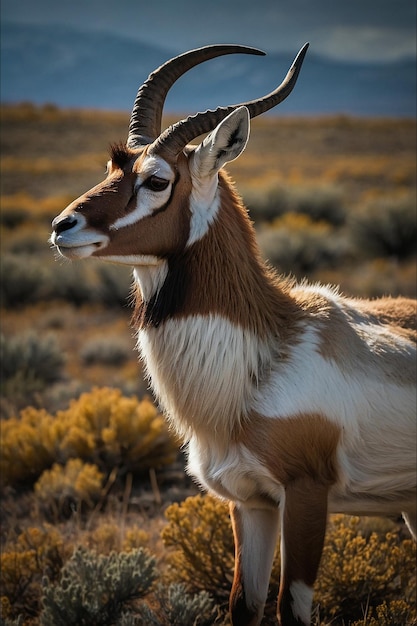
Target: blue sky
358,30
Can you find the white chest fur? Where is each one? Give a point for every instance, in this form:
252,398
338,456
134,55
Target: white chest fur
204,371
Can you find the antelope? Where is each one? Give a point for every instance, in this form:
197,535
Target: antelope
293,400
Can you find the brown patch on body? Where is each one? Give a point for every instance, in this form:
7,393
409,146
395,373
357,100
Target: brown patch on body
294,447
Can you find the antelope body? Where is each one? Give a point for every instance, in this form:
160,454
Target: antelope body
293,400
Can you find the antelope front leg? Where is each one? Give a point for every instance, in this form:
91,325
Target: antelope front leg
256,533
303,520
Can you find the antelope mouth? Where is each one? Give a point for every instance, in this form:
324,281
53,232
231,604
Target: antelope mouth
78,252
73,249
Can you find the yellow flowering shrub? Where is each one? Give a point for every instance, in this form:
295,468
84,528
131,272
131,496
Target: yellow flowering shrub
134,538
26,447
394,613
101,427
23,561
362,568
199,535
62,487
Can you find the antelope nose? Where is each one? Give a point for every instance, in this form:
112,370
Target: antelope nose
60,225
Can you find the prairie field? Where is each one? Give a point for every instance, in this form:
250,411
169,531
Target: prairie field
91,479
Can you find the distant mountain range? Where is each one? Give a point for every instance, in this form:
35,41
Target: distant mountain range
75,68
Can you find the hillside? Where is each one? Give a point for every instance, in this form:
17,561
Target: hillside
82,68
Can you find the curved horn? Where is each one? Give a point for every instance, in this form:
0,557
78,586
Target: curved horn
145,121
176,137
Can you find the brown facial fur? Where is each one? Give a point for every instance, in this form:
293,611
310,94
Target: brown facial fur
107,201
165,232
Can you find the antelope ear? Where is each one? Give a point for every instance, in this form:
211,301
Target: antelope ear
225,143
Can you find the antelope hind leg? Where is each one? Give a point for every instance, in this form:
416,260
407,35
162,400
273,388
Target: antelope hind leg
256,534
304,518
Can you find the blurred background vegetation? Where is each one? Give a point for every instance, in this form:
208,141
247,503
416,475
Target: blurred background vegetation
88,467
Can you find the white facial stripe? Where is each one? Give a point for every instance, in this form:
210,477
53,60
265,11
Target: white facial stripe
147,200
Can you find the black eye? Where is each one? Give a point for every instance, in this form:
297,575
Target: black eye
154,183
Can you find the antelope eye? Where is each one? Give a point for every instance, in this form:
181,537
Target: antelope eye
154,183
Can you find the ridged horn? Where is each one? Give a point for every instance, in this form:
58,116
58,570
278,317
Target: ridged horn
173,140
145,121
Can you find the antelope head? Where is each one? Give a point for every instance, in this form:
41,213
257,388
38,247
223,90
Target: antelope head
159,193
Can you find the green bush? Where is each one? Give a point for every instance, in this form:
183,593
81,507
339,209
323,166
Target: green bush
70,283
29,363
387,227
13,217
114,284
22,280
176,607
32,357
26,279
107,351
31,244
295,244
319,202
95,589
